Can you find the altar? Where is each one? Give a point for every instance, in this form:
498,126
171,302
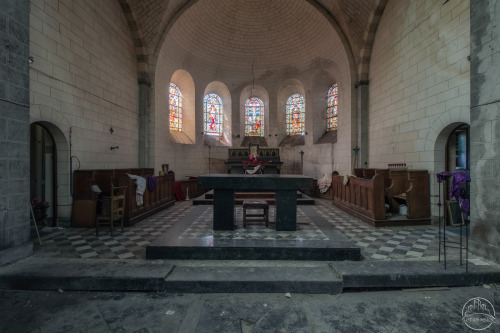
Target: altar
239,161
284,186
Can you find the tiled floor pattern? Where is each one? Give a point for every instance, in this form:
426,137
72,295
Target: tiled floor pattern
405,242
202,226
83,243
396,243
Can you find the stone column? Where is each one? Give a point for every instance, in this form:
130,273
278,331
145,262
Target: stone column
362,90
14,131
144,120
485,128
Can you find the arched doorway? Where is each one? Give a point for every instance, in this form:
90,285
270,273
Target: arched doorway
43,171
457,150
457,159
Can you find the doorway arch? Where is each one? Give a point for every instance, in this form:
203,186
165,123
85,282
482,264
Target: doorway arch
49,171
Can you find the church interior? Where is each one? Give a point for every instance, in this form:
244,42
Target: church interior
376,105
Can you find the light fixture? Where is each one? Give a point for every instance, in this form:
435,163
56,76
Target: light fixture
114,147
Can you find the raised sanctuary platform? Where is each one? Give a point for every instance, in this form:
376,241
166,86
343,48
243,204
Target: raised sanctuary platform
194,238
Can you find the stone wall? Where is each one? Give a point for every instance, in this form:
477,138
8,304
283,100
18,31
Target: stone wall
419,80
14,131
485,128
85,78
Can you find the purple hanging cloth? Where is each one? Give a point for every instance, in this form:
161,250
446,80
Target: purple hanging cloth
457,183
151,182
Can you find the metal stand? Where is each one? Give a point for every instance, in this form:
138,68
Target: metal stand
462,244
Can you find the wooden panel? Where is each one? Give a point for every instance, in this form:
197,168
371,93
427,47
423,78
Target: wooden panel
418,195
83,213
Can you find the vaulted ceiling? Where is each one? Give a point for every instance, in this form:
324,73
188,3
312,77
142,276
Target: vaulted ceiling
280,27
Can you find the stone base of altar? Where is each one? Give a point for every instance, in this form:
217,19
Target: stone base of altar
194,238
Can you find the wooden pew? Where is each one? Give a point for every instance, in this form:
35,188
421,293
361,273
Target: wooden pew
399,184
418,195
85,201
363,198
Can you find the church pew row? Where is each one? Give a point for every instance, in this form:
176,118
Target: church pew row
365,198
85,200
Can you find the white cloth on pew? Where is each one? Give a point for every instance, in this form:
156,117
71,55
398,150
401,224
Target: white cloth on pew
141,187
324,183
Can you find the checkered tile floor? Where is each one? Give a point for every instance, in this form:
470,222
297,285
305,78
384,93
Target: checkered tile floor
396,243
202,227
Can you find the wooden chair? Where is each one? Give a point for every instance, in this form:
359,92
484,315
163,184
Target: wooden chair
260,217
113,210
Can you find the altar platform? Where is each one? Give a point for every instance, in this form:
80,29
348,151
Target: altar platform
194,238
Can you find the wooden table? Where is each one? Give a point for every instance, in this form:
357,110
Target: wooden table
284,186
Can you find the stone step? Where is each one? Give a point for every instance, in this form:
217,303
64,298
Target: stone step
195,276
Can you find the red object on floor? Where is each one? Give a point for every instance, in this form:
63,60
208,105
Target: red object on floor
178,191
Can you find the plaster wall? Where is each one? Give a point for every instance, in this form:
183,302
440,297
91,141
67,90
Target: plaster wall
313,68
419,80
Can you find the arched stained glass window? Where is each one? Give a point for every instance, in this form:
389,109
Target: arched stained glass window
332,108
212,115
175,108
295,115
254,117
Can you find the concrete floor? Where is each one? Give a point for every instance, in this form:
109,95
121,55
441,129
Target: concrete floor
418,310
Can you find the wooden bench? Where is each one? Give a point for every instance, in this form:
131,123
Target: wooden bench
84,200
365,198
255,217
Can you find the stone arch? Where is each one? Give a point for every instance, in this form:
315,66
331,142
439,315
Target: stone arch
221,90
321,83
287,89
316,5
137,36
369,38
437,137
185,82
60,129
259,92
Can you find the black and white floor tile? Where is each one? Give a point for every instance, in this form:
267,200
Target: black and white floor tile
395,243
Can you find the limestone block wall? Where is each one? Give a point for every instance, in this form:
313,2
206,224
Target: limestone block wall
485,128
84,77
419,80
14,131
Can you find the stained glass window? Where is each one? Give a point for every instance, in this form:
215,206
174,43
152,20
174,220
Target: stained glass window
175,108
332,108
295,115
212,114
254,117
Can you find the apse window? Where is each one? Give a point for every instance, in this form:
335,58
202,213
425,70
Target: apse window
332,109
254,117
295,115
212,115
175,108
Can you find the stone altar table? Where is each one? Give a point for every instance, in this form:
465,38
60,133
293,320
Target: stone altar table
285,187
